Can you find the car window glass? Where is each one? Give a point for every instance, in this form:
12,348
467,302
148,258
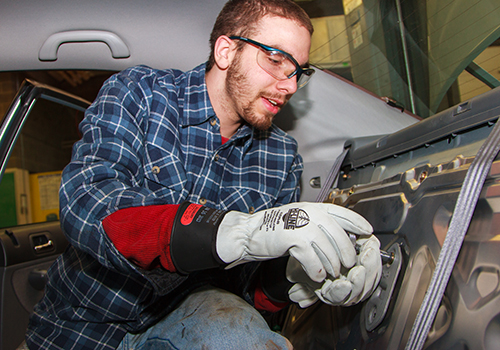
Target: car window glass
426,55
29,188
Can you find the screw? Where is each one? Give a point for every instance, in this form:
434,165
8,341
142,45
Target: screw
423,176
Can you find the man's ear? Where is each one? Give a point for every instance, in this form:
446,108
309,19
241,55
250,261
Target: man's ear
224,51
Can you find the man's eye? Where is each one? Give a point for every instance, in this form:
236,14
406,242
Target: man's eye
275,58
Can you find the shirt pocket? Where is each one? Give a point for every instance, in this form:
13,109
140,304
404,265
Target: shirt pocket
164,171
247,200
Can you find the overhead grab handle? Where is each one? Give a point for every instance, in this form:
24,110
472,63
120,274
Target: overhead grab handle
48,51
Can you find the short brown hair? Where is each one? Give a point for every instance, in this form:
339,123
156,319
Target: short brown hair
240,17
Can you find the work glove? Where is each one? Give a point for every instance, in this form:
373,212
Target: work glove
351,287
313,233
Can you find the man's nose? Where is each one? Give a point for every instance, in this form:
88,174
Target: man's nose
289,86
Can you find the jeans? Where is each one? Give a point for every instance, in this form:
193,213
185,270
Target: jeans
209,318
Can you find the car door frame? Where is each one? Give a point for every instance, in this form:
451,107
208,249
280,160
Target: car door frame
26,251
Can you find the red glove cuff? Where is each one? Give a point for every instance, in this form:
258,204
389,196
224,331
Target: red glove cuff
263,303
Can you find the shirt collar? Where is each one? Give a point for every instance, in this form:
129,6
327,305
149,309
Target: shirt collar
197,106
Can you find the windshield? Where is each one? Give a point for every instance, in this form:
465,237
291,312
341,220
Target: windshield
426,55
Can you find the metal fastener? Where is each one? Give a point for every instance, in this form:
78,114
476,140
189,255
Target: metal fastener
423,176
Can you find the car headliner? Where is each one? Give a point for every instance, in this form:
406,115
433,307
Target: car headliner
158,33
174,34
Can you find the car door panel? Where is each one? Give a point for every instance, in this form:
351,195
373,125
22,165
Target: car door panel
406,184
26,254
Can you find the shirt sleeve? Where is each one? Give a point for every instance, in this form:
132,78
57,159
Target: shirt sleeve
142,234
107,173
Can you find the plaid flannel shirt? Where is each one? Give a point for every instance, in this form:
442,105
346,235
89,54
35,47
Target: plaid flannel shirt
151,137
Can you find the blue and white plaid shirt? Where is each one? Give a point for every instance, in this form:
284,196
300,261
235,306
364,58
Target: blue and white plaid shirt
151,137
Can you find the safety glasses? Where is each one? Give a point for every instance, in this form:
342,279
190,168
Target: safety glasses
279,64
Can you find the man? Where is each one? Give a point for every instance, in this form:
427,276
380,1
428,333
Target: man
178,190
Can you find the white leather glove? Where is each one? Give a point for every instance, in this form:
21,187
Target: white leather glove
349,288
313,233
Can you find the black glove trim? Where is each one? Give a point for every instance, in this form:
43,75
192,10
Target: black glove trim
273,279
193,238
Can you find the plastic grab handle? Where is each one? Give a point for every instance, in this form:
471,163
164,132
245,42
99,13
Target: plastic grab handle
48,51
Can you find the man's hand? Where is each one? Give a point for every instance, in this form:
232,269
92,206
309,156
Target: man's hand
312,233
350,288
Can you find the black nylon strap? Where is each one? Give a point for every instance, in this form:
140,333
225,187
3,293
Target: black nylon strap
193,238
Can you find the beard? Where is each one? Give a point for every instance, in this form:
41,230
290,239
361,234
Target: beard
238,89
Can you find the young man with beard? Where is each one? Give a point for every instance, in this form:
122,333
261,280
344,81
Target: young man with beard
182,195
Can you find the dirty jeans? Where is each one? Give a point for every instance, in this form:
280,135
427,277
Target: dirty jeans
209,318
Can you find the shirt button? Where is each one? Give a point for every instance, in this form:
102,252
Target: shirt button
216,158
203,201
251,210
156,170
213,121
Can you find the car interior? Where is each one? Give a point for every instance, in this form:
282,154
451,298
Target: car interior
404,98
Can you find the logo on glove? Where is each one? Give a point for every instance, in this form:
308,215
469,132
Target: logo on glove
295,218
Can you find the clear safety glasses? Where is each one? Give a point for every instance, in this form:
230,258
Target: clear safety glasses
279,64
